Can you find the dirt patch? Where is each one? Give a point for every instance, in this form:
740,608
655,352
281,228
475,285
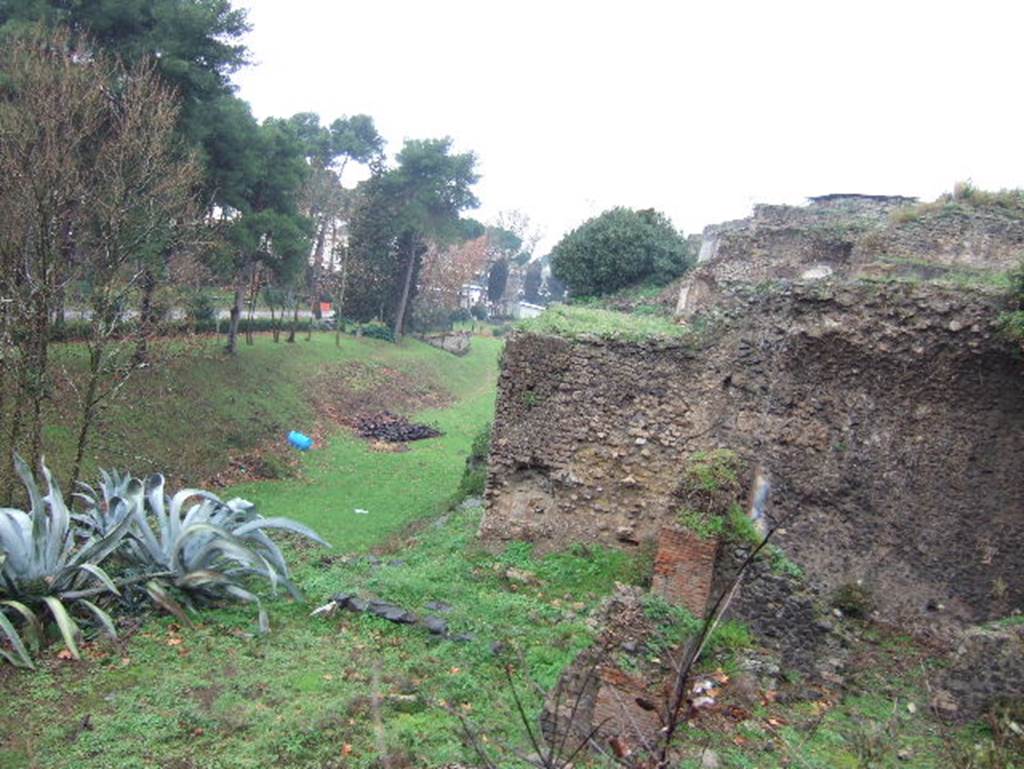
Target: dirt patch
345,393
206,696
271,462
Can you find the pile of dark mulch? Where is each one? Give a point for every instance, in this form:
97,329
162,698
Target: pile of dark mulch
385,426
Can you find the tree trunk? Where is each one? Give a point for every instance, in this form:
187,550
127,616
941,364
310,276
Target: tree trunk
273,324
236,315
39,364
339,300
318,267
14,435
403,303
295,323
146,319
254,292
59,315
88,414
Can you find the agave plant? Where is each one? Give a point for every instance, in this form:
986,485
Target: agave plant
44,572
102,513
194,542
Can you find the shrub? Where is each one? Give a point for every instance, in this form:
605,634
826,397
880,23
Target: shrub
474,477
200,308
375,329
617,249
460,315
43,572
189,549
430,317
479,311
201,549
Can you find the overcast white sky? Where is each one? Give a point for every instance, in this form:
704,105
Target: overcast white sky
696,109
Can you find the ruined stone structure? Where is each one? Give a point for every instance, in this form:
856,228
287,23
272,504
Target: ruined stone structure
455,342
889,415
850,236
891,418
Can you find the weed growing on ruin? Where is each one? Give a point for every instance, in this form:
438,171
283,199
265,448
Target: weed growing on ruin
474,477
1012,323
713,471
742,531
964,198
854,600
702,523
675,624
530,399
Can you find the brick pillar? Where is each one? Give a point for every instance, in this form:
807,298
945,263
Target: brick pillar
684,568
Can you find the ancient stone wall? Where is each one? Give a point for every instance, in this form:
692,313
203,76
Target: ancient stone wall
851,236
890,417
948,237
455,342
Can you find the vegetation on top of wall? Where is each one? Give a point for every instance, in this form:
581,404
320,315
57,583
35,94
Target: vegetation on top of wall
674,625
918,270
964,197
574,322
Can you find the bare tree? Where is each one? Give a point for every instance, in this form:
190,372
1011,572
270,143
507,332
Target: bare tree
96,191
140,208
51,112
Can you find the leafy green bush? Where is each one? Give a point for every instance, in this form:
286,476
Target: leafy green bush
479,311
199,308
617,249
430,317
375,329
460,315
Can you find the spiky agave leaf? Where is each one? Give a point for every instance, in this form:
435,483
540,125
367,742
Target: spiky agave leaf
69,629
206,543
32,623
21,657
41,567
164,600
104,619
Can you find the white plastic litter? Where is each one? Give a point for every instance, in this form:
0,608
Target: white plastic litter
328,608
360,511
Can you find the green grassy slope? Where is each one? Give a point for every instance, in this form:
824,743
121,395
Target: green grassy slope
195,407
